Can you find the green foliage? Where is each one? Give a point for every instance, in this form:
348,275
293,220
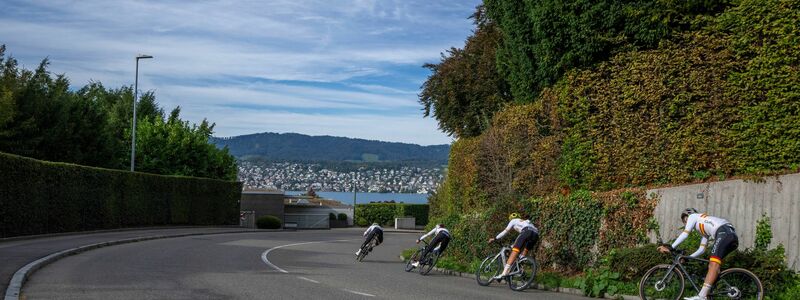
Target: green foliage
570,224
766,35
769,266
331,216
59,197
341,217
40,117
268,222
763,233
544,39
384,213
598,283
464,89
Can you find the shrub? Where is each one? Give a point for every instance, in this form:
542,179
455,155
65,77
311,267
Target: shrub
268,222
384,213
60,197
331,216
342,217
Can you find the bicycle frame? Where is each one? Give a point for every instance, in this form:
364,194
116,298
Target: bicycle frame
676,263
504,258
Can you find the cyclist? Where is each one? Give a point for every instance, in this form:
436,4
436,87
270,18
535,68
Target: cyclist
371,232
441,238
528,235
718,229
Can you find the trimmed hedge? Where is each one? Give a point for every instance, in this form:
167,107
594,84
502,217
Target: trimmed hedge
268,222
38,197
384,213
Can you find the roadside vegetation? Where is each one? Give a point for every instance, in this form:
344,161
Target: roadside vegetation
568,110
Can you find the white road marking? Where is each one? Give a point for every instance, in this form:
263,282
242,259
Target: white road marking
266,260
358,293
308,279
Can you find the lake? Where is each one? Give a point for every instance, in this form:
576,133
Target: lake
347,197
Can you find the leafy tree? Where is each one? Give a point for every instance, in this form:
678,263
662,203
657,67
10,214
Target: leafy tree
464,90
174,147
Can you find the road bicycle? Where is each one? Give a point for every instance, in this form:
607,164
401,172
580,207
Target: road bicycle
426,263
668,281
519,278
367,248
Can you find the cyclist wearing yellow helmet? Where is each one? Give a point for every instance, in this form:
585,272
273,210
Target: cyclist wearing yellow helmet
528,235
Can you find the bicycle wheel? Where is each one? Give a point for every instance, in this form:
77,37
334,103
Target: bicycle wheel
490,267
429,264
411,259
662,282
362,254
522,278
737,283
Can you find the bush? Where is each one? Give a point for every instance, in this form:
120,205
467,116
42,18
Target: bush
268,222
331,216
384,213
60,197
342,217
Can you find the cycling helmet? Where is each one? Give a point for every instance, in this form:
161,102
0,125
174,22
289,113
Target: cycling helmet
687,212
513,216
375,224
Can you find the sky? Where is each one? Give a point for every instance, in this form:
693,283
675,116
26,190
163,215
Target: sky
342,68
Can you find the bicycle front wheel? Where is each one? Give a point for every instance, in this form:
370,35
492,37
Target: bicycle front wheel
736,283
522,278
490,267
662,282
429,264
414,257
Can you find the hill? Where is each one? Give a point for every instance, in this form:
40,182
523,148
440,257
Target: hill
299,147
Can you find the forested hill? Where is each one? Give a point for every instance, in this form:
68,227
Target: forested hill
299,147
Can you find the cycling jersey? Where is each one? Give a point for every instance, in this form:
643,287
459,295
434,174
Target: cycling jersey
518,225
371,228
435,231
710,228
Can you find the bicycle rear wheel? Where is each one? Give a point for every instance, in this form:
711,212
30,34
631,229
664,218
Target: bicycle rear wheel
414,257
490,267
662,282
523,277
736,283
362,254
429,263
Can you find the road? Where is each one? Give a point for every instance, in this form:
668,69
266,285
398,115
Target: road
318,265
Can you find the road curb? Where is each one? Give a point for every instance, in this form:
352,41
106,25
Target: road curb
537,286
20,276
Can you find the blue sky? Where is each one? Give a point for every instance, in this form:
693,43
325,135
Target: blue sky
343,68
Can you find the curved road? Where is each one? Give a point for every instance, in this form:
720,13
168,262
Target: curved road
230,266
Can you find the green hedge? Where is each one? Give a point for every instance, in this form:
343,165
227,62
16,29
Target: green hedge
38,197
268,222
384,213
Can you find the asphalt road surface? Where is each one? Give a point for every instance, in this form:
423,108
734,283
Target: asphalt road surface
305,264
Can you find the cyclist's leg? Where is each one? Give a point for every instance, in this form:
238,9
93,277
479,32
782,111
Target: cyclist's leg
725,242
432,245
515,249
444,243
530,243
369,238
380,238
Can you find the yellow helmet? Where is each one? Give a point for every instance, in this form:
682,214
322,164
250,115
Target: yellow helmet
513,216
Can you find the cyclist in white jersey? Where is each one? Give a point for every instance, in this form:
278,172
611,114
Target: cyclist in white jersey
372,231
718,229
441,238
528,235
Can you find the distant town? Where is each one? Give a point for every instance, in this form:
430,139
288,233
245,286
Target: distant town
289,176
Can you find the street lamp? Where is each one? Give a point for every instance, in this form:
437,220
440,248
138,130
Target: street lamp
135,97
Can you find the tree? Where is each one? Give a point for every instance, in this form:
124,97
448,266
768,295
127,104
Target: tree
464,89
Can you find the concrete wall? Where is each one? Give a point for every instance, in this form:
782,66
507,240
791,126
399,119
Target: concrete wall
313,209
742,203
263,203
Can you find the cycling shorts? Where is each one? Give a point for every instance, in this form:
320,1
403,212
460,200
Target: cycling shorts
725,241
526,239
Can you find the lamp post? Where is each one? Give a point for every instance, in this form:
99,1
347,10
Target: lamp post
135,97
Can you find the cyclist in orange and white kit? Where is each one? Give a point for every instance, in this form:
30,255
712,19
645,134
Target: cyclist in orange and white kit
528,235
718,229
